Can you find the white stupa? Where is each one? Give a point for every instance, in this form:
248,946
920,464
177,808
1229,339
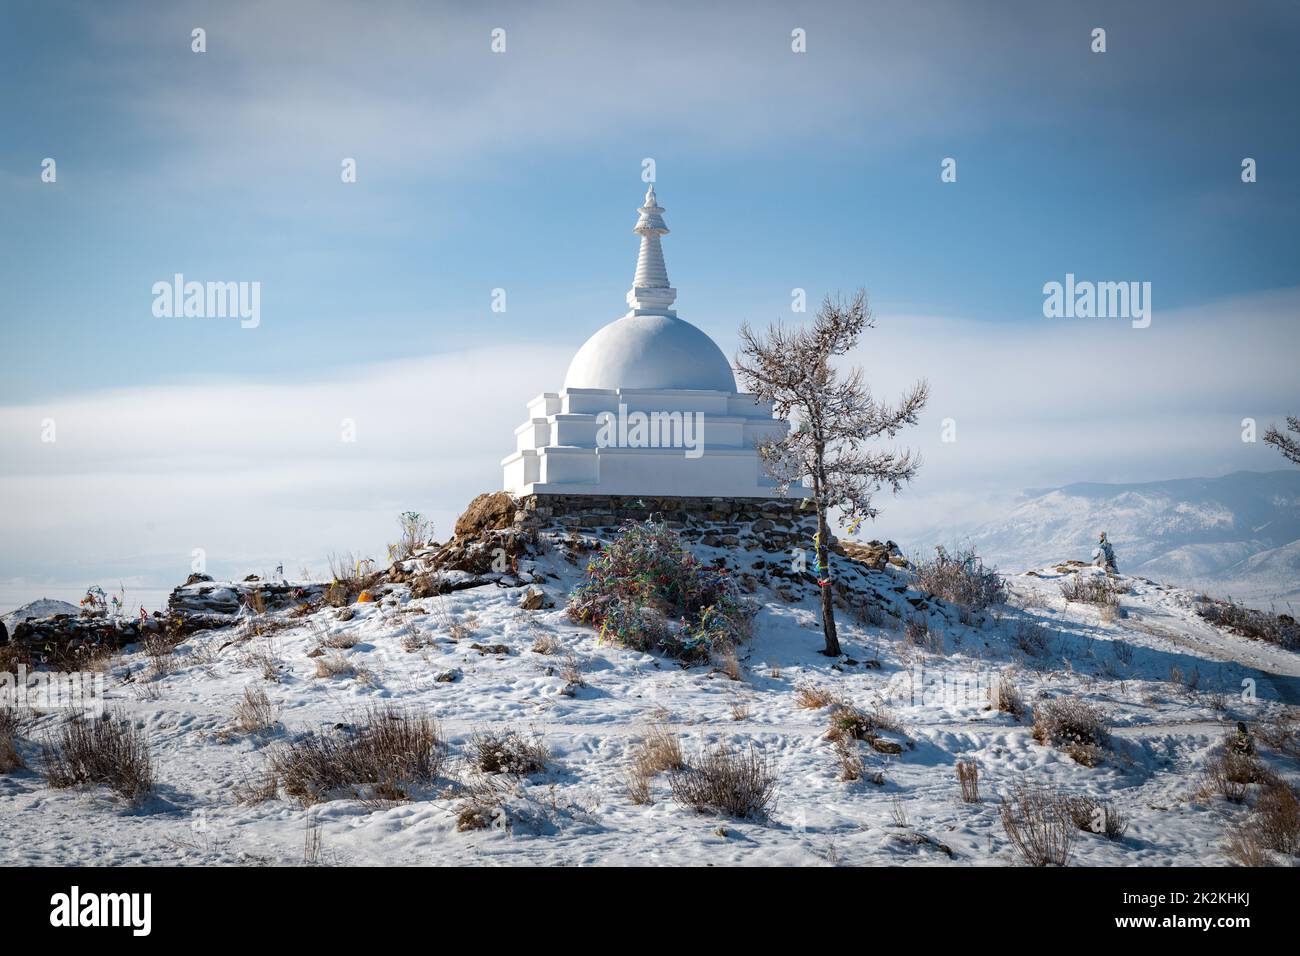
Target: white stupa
649,406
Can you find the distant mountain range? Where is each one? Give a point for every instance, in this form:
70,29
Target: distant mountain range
1237,535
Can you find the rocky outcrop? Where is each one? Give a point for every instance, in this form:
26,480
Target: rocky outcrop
202,595
487,512
874,554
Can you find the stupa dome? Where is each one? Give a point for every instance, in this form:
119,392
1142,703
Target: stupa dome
650,351
649,407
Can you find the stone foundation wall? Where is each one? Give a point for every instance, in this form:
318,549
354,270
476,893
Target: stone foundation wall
771,524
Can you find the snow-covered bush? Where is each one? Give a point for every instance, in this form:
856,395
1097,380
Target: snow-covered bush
1073,725
961,579
644,590
508,751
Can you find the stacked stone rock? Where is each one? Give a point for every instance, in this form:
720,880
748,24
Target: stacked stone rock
768,524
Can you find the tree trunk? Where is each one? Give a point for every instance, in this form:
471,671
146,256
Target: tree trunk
832,648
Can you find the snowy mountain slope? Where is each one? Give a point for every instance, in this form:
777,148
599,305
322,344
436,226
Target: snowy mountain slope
1170,683
1237,534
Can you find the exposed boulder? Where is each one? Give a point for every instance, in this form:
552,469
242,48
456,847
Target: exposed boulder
493,511
874,554
534,599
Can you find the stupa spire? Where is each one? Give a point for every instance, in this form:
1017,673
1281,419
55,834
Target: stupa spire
650,293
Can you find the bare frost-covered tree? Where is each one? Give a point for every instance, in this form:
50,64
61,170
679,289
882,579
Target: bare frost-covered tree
1288,446
833,415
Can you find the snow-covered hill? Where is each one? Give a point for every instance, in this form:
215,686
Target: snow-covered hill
1238,534
1170,685
44,607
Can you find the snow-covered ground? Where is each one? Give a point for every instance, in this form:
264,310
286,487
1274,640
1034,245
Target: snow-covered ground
1138,666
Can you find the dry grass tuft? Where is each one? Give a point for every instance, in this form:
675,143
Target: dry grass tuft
850,761
968,776
656,752
1006,697
1092,588
812,697
392,750
1038,826
256,789
10,725
334,665
1095,816
255,713
1229,774
855,723
737,783
547,644
107,750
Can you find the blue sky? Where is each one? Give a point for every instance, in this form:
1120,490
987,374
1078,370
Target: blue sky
522,171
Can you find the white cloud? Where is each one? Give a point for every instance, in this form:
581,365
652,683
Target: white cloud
255,472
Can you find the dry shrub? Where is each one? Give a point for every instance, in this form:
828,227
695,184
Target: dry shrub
1006,697
812,697
645,590
572,672
390,751
255,713
508,751
1031,638
1279,629
10,724
737,783
257,789
482,805
968,775
961,579
1095,589
106,750
1244,848
1230,773
850,761
656,752
1282,733
1038,826
334,665
855,723
1073,725
339,642
1095,816
1276,818
547,644
159,647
